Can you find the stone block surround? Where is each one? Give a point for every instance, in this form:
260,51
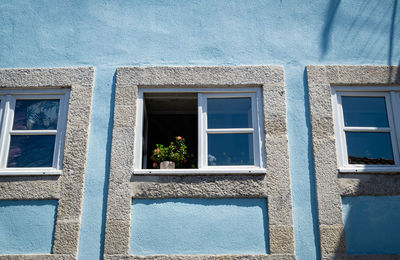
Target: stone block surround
332,185
274,185
67,188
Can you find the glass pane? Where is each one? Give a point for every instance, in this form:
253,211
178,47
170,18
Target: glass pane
230,149
365,111
229,113
36,114
31,151
369,148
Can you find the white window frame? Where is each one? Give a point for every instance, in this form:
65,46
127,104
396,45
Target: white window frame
392,100
8,99
203,168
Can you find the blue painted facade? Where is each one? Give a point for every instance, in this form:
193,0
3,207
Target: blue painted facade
199,226
110,34
27,226
372,224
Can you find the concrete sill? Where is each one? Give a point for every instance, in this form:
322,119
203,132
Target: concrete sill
29,172
373,169
206,171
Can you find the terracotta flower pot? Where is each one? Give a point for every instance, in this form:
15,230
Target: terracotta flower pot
167,165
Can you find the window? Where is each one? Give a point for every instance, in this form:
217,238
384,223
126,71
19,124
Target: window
366,129
221,128
362,102
32,131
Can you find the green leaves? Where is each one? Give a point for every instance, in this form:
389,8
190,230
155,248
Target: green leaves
176,152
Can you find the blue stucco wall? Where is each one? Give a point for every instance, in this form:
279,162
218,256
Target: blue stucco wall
199,226
372,224
27,226
108,34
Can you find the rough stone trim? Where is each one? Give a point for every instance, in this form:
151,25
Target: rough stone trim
275,185
68,187
369,184
200,76
331,186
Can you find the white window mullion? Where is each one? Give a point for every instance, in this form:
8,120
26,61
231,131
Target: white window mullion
5,136
202,134
259,129
33,132
343,155
396,117
61,129
366,129
394,121
336,119
230,131
5,104
254,120
139,130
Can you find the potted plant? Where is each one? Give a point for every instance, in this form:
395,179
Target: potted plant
167,157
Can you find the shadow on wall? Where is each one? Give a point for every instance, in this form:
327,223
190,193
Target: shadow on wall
371,216
391,40
395,75
331,17
108,155
313,192
326,32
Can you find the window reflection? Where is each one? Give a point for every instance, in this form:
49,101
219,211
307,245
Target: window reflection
364,111
230,149
36,114
369,148
229,113
31,151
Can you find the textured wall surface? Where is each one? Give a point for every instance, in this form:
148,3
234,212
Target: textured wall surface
199,226
27,226
330,184
372,224
67,187
110,34
275,185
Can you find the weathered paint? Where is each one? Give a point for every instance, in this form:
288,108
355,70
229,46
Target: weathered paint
108,34
199,226
372,224
27,226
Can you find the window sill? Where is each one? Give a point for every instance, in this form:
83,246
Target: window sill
206,171
373,169
25,172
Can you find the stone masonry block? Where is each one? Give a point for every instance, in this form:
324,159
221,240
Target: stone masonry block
66,237
117,237
332,239
281,239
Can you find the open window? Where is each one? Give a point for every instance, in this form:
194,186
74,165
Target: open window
166,116
221,129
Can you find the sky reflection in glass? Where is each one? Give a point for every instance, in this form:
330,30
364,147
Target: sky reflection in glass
31,151
36,114
364,111
229,113
365,148
230,149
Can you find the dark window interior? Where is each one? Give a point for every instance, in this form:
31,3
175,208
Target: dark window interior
167,115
